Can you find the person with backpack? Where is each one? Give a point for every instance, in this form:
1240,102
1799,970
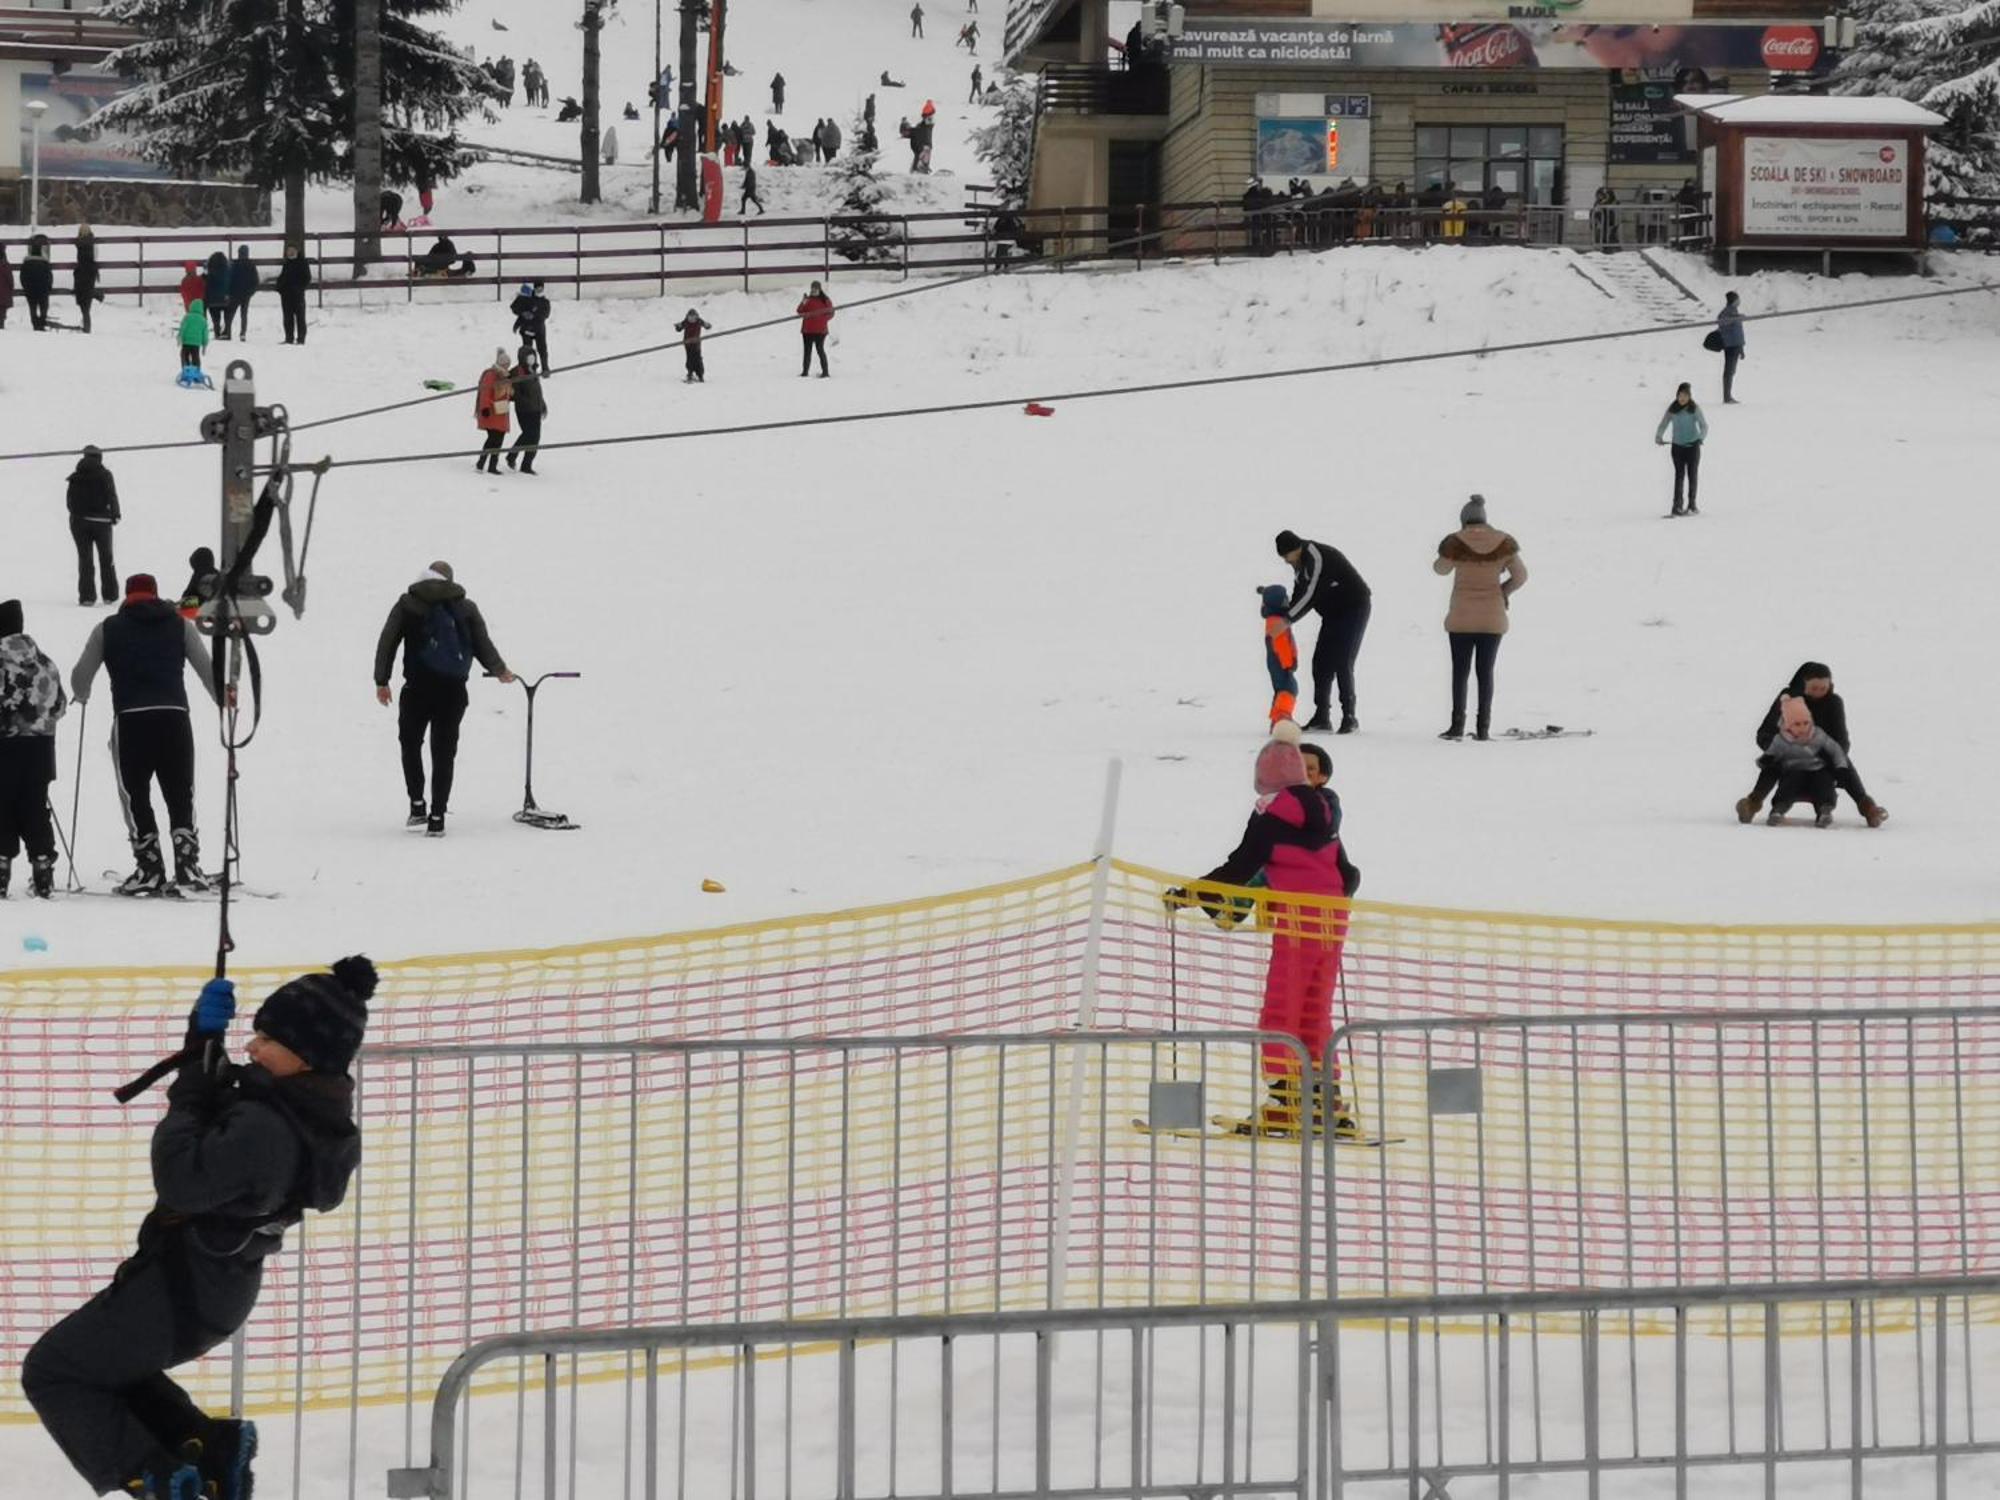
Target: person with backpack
295,278
92,497
442,633
1728,339
691,329
241,1154
530,406
31,700
144,648
245,281
496,400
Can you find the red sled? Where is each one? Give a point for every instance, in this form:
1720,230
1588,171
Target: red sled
1036,409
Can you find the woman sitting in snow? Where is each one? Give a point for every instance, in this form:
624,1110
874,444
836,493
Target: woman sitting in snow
1812,684
1809,765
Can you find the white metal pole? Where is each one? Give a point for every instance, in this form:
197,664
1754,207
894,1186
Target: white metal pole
35,176
1086,1018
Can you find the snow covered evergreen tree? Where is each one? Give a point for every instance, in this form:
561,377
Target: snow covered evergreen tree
863,232
428,87
1008,143
1944,55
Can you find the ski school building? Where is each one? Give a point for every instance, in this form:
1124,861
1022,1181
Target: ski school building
1522,105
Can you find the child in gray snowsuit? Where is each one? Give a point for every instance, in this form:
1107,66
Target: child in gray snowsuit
1811,767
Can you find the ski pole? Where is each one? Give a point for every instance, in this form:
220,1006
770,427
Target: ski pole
76,794
55,822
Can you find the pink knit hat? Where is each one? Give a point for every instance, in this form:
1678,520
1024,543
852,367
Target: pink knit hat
1280,763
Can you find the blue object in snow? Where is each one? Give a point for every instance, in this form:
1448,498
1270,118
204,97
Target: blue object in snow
35,944
191,379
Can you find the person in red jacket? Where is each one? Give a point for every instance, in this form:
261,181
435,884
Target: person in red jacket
496,401
815,313
193,286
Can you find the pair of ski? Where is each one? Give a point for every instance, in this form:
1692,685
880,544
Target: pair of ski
1222,1128
172,892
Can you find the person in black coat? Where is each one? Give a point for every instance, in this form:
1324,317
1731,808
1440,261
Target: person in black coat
1813,682
531,311
244,282
86,273
239,1157
38,281
215,293
530,406
93,511
295,277
1326,583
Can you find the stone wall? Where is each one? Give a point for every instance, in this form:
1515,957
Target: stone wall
121,202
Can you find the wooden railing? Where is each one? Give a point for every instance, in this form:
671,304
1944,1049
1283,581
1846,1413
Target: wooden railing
1070,88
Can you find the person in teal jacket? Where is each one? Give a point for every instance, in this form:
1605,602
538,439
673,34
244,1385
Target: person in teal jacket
1689,427
194,334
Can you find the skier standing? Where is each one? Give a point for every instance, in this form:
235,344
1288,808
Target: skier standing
38,282
1292,840
294,278
84,280
144,647
496,394
215,293
1729,327
1690,430
815,312
1326,583
530,406
239,1156
245,281
31,700
531,309
441,632
92,498
1485,568
691,329
194,335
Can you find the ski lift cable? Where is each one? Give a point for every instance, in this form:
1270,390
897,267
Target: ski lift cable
1165,386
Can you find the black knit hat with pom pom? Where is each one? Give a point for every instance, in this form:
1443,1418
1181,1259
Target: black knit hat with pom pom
321,1017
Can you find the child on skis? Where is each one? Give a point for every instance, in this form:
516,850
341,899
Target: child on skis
1281,652
240,1155
194,339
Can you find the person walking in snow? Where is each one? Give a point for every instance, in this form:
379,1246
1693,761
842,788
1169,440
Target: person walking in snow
215,293
441,633
31,701
6,285
193,285
239,1157
295,278
815,311
245,281
38,282
831,139
1485,569
777,93
530,406
194,334
749,190
92,498
492,408
1690,430
84,277
917,19
1811,685
1325,583
143,647
1729,331
1292,841
691,329
1809,765
531,309
978,85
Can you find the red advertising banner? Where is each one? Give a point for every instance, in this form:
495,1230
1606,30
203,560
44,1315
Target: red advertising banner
1502,44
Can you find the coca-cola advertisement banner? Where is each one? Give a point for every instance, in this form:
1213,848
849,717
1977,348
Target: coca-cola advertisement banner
1655,50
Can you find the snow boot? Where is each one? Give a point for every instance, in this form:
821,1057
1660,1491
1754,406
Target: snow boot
1348,724
1457,730
41,879
226,1458
418,816
1777,814
149,876
1822,817
165,1477
1746,809
434,826
1479,730
1319,721
1280,1117
1876,814
188,873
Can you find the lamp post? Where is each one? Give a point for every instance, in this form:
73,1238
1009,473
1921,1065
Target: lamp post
36,108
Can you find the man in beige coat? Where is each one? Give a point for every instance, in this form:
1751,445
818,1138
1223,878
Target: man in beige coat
1486,568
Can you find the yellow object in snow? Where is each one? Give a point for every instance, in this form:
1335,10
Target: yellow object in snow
713,887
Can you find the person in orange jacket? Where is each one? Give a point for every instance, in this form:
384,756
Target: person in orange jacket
193,285
496,401
1281,652
815,313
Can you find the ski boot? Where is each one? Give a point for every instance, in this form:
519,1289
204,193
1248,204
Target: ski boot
1281,1117
165,1477
1746,809
1822,817
188,873
1777,814
226,1458
1338,1121
417,815
149,877
41,877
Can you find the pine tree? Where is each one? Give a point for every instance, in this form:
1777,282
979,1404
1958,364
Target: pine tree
1007,145
428,87
863,232
1945,56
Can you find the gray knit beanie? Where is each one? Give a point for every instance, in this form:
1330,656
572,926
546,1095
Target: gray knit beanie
1473,512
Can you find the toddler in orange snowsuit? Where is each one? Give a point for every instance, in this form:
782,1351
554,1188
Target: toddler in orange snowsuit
1281,652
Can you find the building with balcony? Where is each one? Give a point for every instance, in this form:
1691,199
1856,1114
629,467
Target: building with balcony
1517,105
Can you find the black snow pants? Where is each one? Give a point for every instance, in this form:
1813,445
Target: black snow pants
1468,647
94,537
1334,652
293,306
27,766
97,1379
813,342
1806,787
434,706
1687,467
528,444
696,369
38,310
155,744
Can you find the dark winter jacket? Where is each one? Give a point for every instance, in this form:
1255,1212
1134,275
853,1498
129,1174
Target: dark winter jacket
144,647
1326,581
529,403
690,328
406,622
85,275
531,313
244,277
93,493
294,276
6,282
31,690
237,1161
38,277
215,284
1828,713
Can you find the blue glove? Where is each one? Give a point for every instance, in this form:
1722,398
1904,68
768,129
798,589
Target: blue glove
216,1008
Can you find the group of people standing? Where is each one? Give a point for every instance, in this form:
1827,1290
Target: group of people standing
38,280
215,300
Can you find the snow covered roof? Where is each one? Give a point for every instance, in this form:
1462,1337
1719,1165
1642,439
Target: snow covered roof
1807,109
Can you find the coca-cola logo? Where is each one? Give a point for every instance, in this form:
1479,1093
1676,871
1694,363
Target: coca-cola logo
1790,49
1887,153
1489,47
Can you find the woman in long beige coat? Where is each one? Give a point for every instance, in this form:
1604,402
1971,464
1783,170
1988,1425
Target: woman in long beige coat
1486,568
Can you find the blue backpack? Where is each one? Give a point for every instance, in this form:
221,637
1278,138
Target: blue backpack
440,647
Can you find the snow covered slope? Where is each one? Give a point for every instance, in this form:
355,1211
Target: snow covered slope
836,664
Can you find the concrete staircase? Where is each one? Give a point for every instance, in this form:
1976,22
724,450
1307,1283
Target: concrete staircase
1630,277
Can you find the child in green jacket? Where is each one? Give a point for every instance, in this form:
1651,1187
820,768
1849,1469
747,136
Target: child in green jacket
194,334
